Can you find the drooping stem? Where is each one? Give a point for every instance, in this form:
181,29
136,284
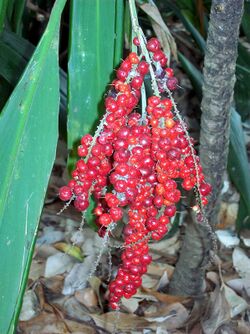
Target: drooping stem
139,33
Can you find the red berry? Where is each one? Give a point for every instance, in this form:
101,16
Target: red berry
153,45
137,82
82,150
65,193
205,189
170,72
172,83
158,55
136,41
170,211
116,213
105,219
133,58
143,67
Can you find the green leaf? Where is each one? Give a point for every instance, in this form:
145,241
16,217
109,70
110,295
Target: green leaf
91,57
10,9
11,64
119,33
186,19
238,167
3,10
243,217
17,43
242,92
93,51
28,137
13,61
127,25
245,23
5,91
193,73
17,13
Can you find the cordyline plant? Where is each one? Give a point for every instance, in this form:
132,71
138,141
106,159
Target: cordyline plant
137,163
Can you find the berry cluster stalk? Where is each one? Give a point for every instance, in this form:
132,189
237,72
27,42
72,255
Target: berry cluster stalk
133,164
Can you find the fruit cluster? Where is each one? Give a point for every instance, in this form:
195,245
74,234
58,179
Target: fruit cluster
134,163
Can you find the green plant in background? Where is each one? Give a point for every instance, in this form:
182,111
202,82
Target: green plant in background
29,121
28,127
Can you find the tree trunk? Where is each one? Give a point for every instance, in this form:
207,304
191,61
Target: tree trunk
219,79
188,277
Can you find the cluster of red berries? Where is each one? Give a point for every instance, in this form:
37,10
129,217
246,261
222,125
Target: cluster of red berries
135,162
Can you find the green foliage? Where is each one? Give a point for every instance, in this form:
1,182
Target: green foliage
242,92
96,42
91,56
238,169
28,137
188,24
17,13
13,61
3,9
246,20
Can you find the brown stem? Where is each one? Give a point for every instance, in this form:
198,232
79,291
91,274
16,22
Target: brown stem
219,80
188,277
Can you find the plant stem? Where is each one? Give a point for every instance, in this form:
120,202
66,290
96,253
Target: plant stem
219,79
139,33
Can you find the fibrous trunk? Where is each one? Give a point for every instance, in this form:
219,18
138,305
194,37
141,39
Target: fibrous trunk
219,79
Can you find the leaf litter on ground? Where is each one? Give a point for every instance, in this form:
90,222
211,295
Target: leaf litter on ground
62,296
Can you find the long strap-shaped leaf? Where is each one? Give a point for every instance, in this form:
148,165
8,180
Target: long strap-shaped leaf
95,48
28,137
91,57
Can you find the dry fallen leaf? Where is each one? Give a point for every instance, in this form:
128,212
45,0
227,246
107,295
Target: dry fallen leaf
163,282
217,313
245,236
166,247
227,215
87,297
50,236
241,263
131,304
49,323
44,251
148,281
172,316
227,238
169,299
78,276
158,269
71,250
58,264
73,309
37,269
122,322
54,284
242,327
237,304
30,306
95,284
240,285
